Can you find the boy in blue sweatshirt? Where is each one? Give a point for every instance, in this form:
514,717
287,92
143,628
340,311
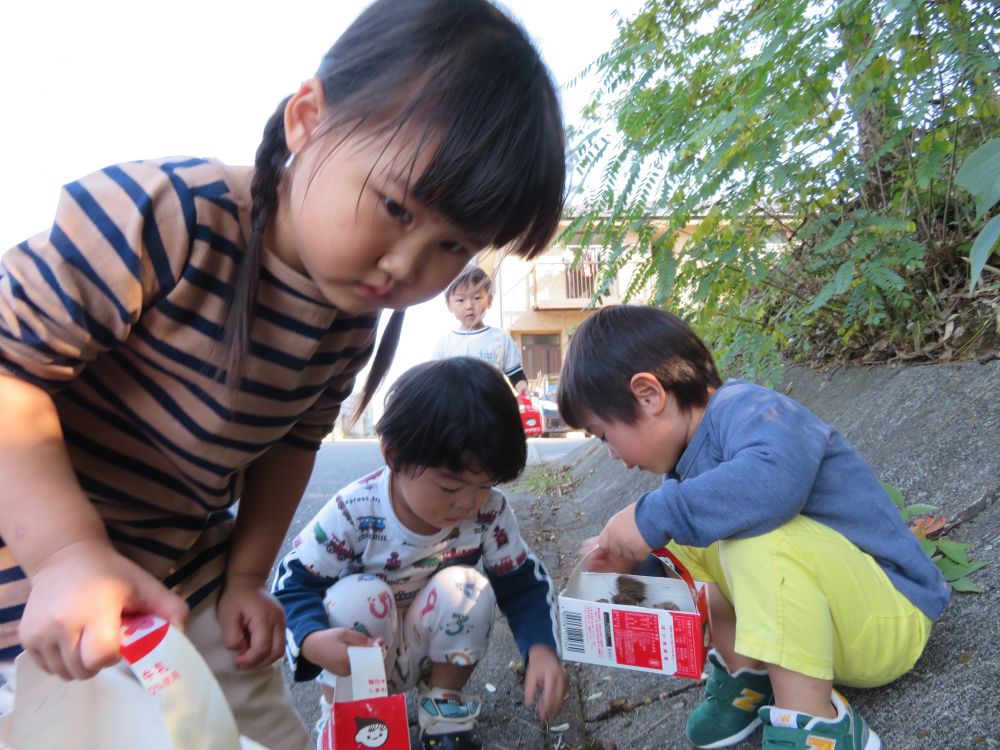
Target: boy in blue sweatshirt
812,576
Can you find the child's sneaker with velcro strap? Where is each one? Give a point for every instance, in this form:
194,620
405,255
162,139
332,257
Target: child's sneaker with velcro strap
794,730
729,712
448,719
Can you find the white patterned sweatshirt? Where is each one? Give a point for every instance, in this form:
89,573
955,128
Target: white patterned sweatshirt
358,532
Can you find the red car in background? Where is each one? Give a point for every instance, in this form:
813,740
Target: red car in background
531,417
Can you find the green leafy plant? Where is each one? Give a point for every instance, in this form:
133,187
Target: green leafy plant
951,557
785,174
980,175
548,480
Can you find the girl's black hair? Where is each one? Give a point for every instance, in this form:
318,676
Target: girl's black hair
618,341
464,81
458,413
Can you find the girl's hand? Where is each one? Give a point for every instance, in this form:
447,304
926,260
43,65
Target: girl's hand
252,622
72,621
545,673
599,561
621,538
328,648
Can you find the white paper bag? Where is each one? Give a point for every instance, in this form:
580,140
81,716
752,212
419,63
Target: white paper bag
162,696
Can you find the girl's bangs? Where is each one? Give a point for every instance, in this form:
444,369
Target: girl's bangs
492,171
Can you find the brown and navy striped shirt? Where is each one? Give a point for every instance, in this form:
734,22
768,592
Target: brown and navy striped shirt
117,311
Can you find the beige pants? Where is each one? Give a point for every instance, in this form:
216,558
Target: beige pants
259,698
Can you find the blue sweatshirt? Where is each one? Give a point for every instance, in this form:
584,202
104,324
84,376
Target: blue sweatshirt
757,460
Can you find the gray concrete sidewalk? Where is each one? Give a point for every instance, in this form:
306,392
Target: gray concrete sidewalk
933,432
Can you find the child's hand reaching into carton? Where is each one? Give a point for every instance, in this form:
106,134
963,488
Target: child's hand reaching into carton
621,539
599,561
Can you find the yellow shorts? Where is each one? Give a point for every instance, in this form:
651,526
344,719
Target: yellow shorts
810,601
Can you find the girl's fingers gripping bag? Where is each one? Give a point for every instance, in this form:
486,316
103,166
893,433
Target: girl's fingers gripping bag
164,699
366,716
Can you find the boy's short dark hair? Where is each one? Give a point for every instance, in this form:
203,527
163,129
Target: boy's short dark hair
458,413
472,277
619,341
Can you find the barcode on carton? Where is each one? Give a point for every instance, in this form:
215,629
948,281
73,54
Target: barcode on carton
573,632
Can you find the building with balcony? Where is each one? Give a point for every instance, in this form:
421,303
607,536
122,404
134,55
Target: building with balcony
542,301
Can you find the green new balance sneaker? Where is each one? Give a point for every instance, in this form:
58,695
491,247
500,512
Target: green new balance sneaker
729,712
793,730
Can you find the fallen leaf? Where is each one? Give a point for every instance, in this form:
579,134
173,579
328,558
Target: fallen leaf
925,525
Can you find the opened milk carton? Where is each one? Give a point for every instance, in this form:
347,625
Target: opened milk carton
647,623
161,697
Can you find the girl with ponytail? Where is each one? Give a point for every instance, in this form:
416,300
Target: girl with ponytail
185,333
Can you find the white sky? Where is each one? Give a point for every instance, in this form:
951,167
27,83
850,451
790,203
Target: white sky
84,84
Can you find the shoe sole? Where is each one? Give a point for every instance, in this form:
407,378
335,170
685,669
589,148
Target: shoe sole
874,743
746,732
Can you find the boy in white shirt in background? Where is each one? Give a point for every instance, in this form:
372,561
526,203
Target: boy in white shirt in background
468,298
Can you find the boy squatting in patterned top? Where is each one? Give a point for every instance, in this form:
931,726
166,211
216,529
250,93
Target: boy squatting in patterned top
184,334
397,556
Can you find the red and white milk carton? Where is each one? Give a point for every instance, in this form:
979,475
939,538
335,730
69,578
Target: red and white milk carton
595,630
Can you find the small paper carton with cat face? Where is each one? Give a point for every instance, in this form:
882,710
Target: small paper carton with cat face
647,623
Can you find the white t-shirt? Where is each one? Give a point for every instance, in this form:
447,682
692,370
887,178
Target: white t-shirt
493,345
